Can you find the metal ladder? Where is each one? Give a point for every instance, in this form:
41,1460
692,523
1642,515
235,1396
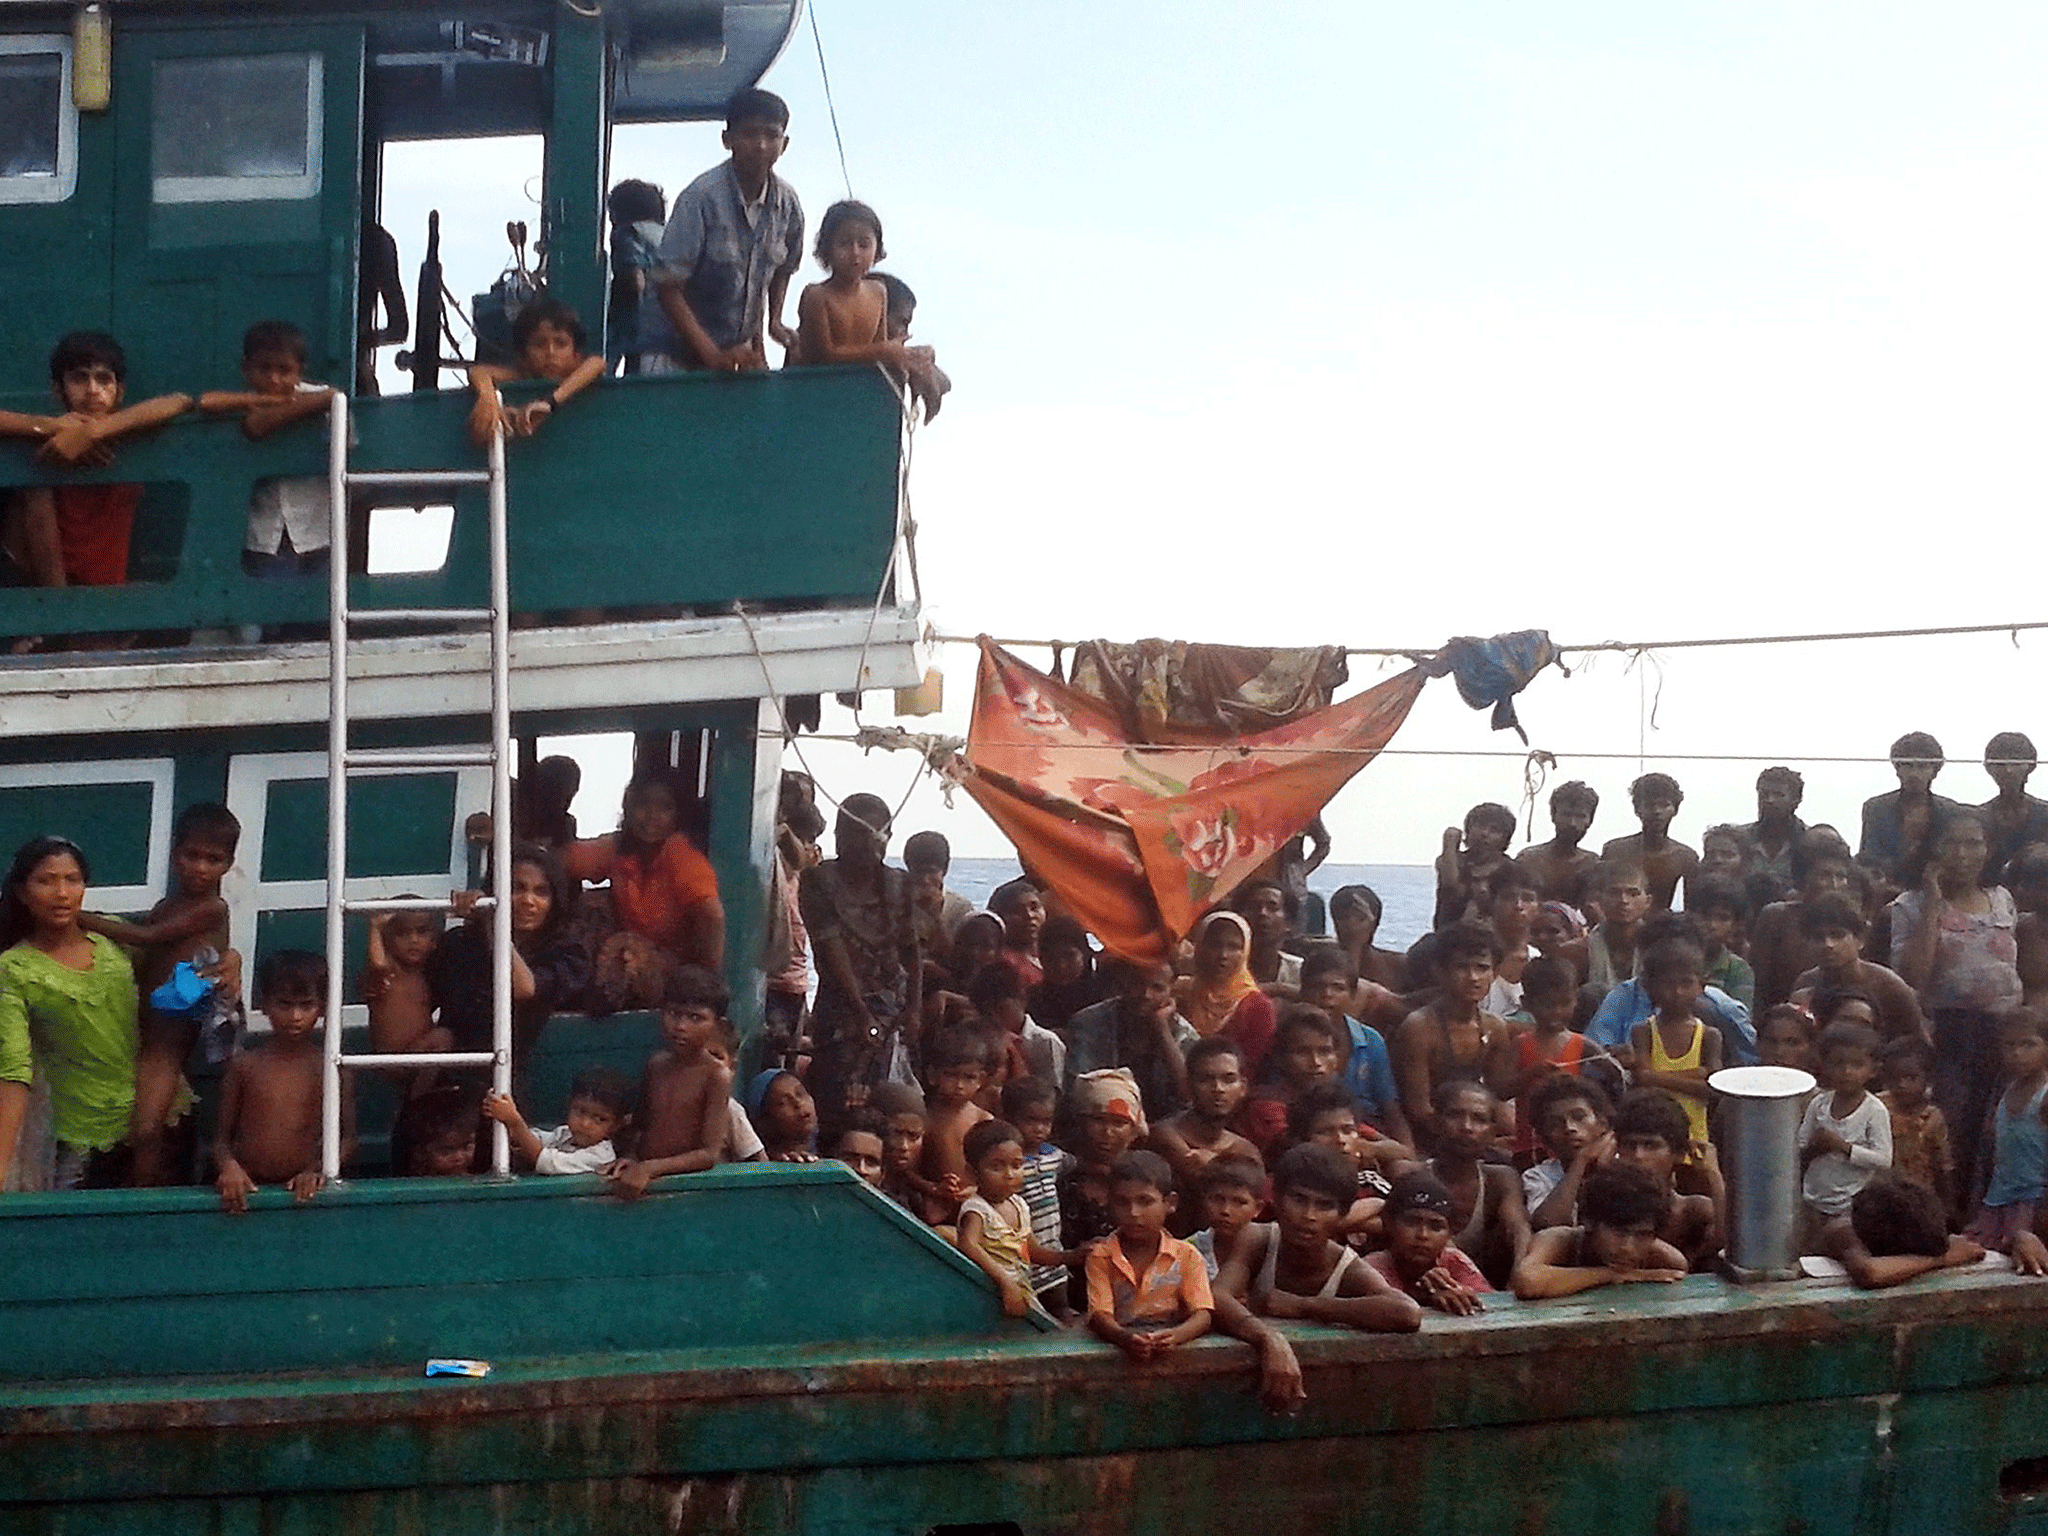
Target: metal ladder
344,760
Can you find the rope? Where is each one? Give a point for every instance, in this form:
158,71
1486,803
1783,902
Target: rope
1633,646
1553,761
831,109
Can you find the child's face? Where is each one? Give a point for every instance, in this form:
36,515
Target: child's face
1487,839
1417,1240
293,1016
755,147
91,389
1570,1127
1468,978
550,352
1655,811
1307,1056
976,946
1514,909
1008,1015
1337,1129
1622,1248
2023,1051
1909,1084
1653,1154
1839,949
1465,1125
1718,925
1675,992
851,250
1308,1218
1855,1011
957,1085
273,373
1848,1069
1331,993
651,816
199,866
1626,901
1785,1043
1550,1010
688,1026
790,1113
1064,965
1026,915
1217,1087
1000,1173
590,1122
1139,1208
1547,933
862,1152
1035,1125
1105,1138
903,1141
1721,856
1230,1210
410,939
447,1156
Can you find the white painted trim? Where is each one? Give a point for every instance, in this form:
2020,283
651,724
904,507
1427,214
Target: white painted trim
253,189
248,895
662,662
16,190
159,773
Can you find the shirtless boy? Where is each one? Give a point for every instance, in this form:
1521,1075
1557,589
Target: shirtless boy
1664,860
394,984
845,319
1469,860
681,1112
1562,869
194,917
270,1100
1651,1133
956,1071
1201,1133
1453,1036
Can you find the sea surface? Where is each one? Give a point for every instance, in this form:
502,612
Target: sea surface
1408,891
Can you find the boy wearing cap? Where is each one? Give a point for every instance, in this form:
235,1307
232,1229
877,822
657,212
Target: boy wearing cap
1420,1258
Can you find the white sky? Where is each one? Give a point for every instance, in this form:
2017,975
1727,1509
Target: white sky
1375,324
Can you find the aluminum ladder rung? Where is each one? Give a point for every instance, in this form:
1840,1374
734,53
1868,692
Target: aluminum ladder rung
419,1059
414,479
411,904
419,757
342,759
448,616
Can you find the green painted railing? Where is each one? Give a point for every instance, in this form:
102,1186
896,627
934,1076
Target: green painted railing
674,492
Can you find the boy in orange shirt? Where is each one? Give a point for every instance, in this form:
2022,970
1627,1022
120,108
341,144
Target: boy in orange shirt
1147,1291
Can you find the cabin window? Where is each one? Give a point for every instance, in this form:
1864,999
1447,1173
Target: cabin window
38,124
236,130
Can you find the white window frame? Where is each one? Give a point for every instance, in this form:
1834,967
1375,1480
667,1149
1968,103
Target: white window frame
249,896
171,190
159,773
15,190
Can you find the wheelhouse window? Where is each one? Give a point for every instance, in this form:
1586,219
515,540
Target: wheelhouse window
38,124
236,130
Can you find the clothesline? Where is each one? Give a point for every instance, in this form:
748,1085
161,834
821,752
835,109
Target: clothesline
1632,646
923,745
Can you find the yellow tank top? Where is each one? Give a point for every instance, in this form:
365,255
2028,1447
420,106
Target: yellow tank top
1695,1109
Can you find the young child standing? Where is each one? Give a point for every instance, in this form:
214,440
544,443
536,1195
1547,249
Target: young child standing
1614,1243
1846,1133
1148,1291
188,925
1549,1045
1920,1149
268,1131
290,523
1233,1192
680,1115
846,318
600,1102
2019,1135
394,984
551,346
1031,1104
1420,1259
995,1223
1723,911
1330,982
956,1068
1675,1050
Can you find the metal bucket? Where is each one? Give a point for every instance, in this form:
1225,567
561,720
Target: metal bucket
1759,1147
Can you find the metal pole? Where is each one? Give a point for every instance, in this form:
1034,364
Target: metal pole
337,777
501,802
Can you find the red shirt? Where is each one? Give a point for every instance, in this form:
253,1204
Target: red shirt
93,526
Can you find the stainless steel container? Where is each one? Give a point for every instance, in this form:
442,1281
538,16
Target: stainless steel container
1759,1146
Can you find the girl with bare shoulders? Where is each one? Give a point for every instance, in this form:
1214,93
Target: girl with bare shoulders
845,319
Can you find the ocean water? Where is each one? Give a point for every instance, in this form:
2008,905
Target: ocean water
1407,891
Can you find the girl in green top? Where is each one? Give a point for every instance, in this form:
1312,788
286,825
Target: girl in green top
67,1010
